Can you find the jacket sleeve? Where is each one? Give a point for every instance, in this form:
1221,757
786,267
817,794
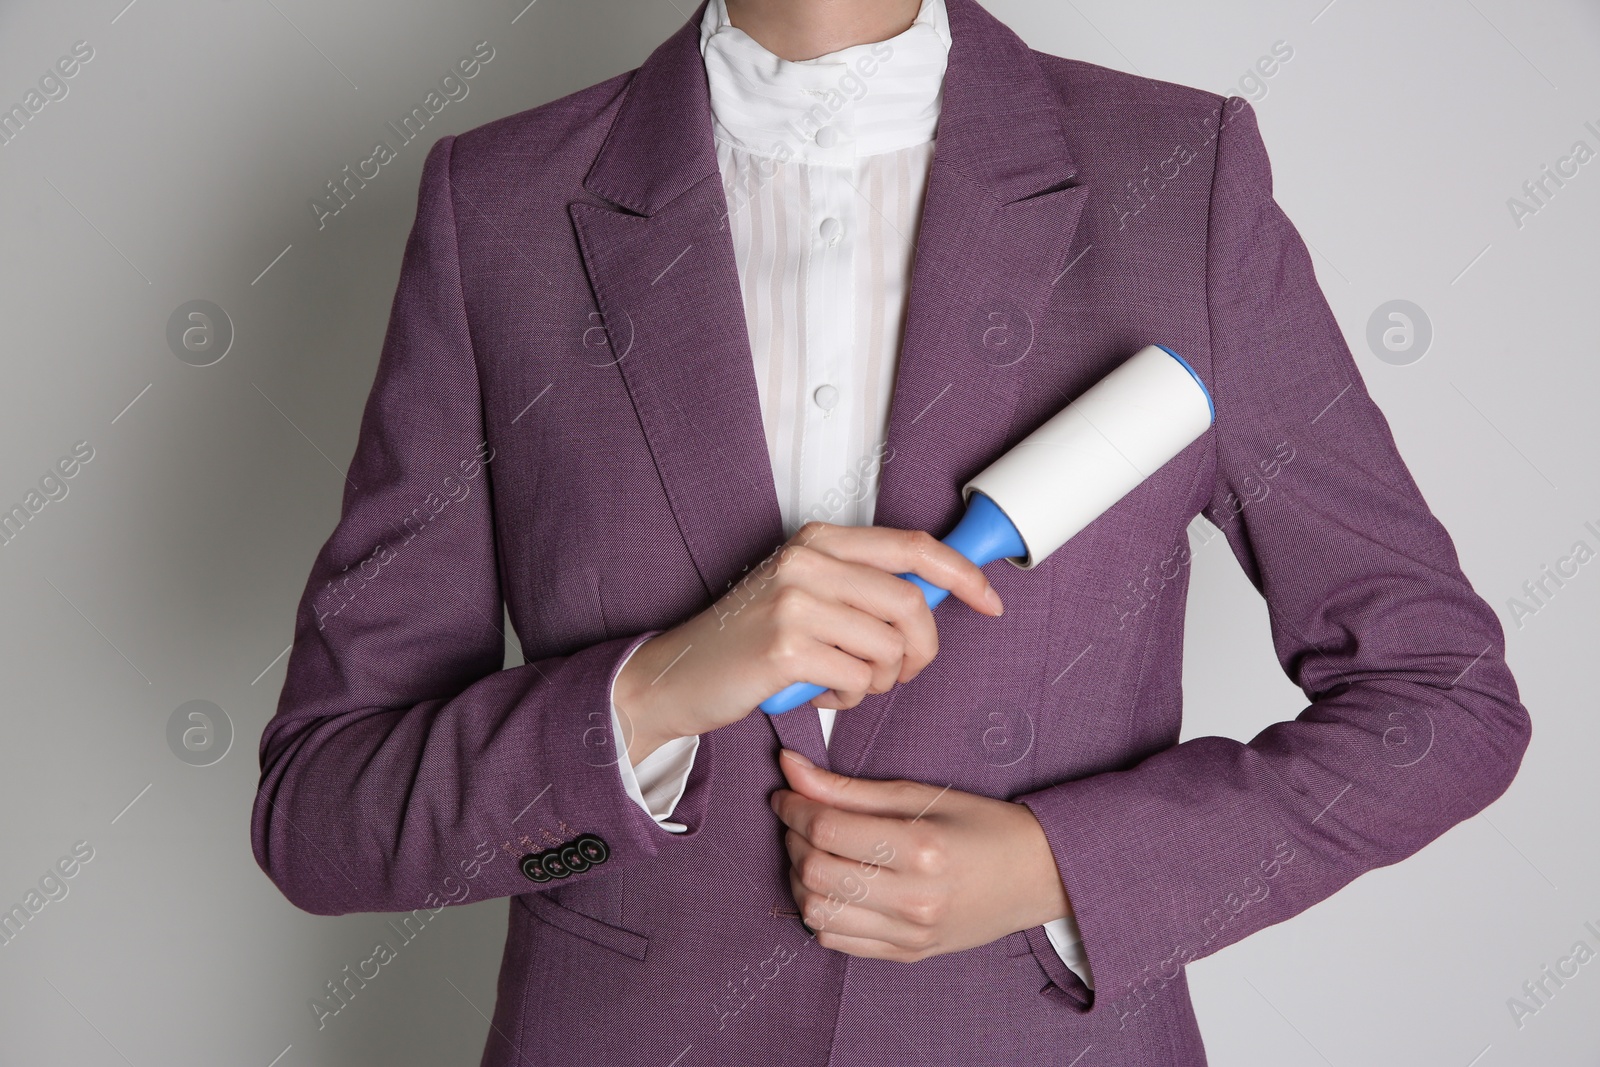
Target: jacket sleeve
404,767
1413,722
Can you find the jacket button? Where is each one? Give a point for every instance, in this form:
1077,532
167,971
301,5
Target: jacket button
550,860
575,857
592,848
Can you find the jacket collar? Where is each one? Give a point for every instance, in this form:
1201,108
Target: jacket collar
660,144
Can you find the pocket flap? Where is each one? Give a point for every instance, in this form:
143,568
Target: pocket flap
585,926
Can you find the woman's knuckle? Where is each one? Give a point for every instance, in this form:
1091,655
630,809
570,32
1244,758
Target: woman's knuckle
921,911
812,872
791,605
908,955
810,531
928,857
909,598
798,561
784,653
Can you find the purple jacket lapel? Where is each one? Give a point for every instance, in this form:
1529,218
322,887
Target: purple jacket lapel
995,233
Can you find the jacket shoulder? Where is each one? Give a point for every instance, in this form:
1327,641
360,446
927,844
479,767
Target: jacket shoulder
1126,128
1090,88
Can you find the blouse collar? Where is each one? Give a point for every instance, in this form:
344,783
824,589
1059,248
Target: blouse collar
857,101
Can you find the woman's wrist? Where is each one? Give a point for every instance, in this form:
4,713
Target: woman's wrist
1049,896
638,698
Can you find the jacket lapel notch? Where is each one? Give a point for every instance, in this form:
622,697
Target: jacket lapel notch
666,283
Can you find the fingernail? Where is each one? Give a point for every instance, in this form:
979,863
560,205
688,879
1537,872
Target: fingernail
790,754
992,598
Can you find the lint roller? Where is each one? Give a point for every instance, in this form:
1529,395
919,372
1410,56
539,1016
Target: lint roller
1068,472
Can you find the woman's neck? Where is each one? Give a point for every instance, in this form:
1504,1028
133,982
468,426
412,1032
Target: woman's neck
804,29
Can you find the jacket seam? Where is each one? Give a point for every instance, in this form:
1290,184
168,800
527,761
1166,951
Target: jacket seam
1211,332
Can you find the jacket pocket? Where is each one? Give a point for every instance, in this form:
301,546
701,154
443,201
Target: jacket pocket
617,939
1062,983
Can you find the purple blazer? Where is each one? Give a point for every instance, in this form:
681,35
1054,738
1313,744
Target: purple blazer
564,422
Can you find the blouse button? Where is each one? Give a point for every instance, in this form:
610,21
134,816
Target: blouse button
826,397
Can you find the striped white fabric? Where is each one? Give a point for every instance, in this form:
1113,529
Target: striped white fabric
824,258
825,164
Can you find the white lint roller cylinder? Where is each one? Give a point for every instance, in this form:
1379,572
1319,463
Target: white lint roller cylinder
1094,451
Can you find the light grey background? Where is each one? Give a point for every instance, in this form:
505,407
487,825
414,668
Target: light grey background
180,165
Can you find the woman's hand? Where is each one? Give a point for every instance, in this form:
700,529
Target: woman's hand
900,870
827,607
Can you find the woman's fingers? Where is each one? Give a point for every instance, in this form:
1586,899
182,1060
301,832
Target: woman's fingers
905,551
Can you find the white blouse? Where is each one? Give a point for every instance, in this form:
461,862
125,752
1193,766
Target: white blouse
825,163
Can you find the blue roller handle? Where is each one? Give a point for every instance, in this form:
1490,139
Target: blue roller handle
983,535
